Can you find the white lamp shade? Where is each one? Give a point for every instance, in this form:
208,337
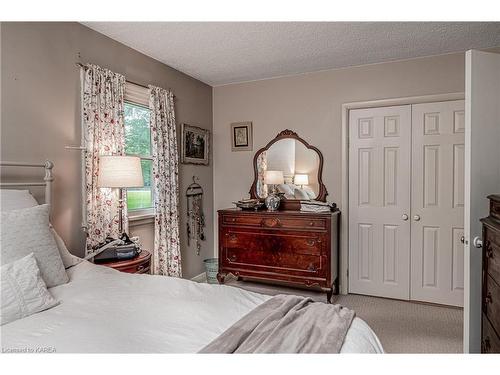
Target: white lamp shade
273,177
301,179
120,172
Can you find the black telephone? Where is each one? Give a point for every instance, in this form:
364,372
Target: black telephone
126,250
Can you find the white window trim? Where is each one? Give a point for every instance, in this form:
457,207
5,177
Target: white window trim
138,95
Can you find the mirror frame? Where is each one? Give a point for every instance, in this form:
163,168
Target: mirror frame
289,134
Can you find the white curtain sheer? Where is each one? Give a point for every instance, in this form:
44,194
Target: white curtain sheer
102,114
167,254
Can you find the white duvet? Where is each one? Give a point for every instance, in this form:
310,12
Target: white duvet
104,311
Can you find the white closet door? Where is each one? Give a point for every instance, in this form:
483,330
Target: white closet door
437,253
379,199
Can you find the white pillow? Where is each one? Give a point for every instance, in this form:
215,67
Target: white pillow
16,199
284,188
300,194
68,259
309,192
27,231
23,290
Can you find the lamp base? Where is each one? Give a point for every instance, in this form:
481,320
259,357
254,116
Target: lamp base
273,202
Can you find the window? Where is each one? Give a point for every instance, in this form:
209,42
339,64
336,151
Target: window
138,142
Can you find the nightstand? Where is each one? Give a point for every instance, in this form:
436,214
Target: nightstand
140,264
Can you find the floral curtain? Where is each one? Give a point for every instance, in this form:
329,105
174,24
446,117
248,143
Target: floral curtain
102,106
167,253
261,168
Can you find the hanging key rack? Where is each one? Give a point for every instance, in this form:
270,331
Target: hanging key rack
195,217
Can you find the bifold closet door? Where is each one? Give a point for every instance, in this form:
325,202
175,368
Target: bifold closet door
379,201
437,208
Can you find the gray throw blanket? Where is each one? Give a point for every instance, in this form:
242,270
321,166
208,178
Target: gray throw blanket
286,324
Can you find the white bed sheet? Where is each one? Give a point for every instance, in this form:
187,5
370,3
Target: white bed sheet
104,311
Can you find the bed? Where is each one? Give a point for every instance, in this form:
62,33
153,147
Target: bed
102,310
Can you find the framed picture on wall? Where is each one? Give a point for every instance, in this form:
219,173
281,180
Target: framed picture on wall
241,136
195,145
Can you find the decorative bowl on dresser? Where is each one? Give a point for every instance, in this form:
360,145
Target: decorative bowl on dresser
490,336
287,246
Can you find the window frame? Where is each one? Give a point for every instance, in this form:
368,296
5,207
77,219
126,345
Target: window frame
138,96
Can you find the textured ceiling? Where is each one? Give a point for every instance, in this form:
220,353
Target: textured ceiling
219,53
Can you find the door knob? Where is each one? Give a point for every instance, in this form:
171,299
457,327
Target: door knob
404,217
416,217
477,242
462,239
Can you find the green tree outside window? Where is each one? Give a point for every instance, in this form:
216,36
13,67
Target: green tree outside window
138,142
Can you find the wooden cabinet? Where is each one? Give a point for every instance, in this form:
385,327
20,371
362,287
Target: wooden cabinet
139,264
490,342
290,247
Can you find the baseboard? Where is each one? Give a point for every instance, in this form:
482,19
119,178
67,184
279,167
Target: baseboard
201,278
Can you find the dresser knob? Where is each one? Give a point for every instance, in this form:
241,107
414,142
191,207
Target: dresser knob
311,224
232,258
489,249
310,242
488,298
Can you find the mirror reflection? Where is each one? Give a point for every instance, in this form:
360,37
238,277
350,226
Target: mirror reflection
289,167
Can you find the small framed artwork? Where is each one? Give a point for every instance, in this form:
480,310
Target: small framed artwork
241,136
195,145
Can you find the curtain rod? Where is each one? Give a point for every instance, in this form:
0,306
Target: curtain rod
132,82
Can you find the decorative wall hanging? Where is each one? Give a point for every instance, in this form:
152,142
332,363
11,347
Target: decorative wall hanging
241,136
195,145
195,216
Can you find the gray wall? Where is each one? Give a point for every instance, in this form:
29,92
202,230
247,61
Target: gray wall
311,105
40,114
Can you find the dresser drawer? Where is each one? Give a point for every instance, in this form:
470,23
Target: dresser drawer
492,256
283,242
265,221
493,236
139,264
137,268
490,342
279,262
491,302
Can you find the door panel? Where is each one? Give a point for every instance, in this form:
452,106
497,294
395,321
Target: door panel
482,174
379,180
437,202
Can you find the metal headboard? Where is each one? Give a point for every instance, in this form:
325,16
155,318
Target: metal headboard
47,180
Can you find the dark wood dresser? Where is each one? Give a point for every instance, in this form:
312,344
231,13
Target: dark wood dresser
490,342
289,247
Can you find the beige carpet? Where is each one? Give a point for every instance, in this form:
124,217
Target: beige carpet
402,327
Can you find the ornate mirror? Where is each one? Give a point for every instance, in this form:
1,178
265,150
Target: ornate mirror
295,166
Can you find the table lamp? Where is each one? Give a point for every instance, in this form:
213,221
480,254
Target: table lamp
120,172
273,178
301,179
